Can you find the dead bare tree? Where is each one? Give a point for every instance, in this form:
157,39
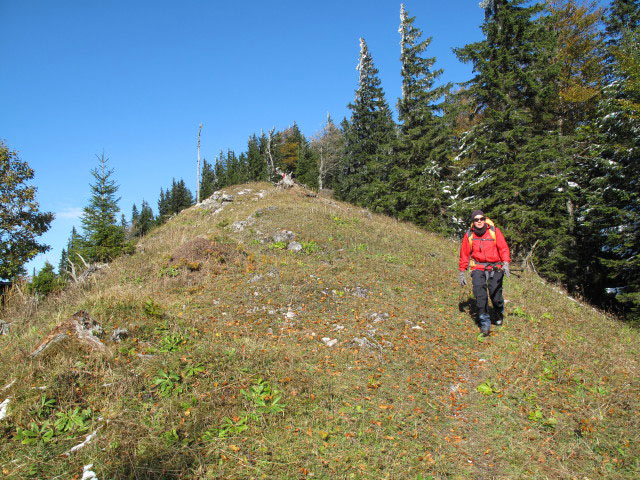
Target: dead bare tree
271,167
198,174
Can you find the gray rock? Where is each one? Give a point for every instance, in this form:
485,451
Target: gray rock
360,292
377,317
119,334
255,278
284,236
4,327
294,246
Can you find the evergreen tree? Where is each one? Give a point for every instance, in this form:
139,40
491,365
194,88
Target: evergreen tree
623,17
145,220
220,172
255,158
369,136
421,165
180,197
518,172
208,180
104,239
615,180
45,282
75,245
135,215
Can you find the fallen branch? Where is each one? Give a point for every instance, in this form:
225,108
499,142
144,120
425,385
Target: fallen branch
80,326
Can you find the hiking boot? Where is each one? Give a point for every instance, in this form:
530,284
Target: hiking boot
499,317
485,324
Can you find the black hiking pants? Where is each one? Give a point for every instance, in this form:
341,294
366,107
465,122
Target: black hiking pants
491,281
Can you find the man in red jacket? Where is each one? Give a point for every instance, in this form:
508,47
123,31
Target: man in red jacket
488,255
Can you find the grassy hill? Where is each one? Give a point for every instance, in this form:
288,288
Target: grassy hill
355,357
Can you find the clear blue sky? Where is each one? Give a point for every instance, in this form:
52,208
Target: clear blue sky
134,79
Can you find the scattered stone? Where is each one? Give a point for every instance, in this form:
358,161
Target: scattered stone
226,198
358,292
239,226
4,327
119,334
329,342
339,328
81,326
244,192
290,314
285,236
294,247
364,342
4,409
270,331
88,473
376,317
417,327
256,278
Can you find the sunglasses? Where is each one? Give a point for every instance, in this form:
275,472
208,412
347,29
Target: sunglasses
479,219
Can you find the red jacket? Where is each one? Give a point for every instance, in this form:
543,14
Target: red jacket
485,250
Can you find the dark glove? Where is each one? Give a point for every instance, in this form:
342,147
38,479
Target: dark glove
463,279
505,268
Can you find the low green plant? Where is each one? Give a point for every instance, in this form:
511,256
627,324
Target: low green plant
229,428
487,388
169,271
152,309
47,406
277,246
191,370
263,398
170,437
310,247
35,434
73,420
168,383
172,343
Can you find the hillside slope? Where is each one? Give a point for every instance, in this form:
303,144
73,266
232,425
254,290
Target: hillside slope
355,357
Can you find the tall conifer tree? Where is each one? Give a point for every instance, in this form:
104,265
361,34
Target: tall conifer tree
518,172
422,162
369,137
104,239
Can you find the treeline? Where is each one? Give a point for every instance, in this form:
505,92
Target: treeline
543,138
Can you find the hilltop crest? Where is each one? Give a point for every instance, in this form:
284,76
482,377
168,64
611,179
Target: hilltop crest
270,333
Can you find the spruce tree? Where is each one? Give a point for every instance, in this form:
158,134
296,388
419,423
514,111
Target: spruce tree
369,137
517,171
145,220
104,239
615,180
256,162
421,165
208,180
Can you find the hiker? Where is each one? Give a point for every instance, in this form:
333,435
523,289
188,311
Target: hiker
486,251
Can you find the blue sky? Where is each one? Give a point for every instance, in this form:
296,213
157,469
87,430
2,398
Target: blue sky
134,79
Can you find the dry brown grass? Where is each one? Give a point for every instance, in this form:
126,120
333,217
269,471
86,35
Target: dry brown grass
562,378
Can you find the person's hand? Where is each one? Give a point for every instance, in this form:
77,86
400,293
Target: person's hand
505,268
463,279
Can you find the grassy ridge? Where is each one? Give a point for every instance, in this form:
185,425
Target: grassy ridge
225,373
